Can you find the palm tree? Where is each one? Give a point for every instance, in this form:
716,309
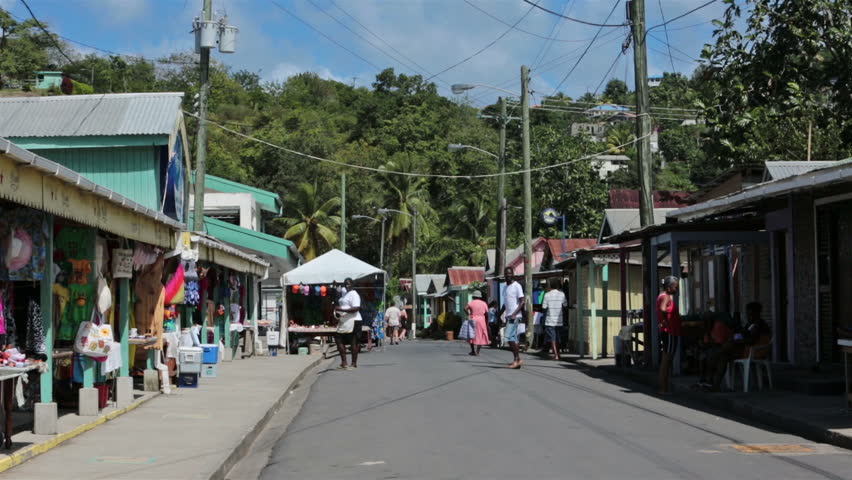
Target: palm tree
314,230
405,193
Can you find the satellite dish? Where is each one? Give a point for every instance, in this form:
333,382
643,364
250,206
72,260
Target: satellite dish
549,216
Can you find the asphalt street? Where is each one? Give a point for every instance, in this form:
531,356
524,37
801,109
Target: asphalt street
427,410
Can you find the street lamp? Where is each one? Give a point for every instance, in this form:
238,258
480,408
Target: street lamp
525,144
549,216
455,147
413,215
382,241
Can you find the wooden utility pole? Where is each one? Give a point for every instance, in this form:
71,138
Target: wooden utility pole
501,194
201,146
810,132
528,280
343,212
643,118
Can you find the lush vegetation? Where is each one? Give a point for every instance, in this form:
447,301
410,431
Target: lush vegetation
754,110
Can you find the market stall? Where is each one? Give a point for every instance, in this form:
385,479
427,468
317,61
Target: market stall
312,290
69,247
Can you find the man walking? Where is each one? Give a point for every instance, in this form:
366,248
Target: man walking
348,324
514,306
554,304
392,316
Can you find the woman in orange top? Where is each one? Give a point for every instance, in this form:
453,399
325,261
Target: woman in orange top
670,326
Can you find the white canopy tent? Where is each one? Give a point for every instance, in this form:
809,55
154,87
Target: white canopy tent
331,267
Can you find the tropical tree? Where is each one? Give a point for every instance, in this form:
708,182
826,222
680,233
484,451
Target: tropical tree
314,230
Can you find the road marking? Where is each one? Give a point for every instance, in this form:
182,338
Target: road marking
191,416
367,464
709,451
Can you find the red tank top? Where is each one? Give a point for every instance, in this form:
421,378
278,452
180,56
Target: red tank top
672,327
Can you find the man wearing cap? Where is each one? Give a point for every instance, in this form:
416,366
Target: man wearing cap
349,319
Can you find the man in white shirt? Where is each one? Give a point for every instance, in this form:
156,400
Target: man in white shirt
513,307
392,315
348,312
554,304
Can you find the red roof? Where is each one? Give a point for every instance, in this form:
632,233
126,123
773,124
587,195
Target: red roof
465,275
571,244
628,198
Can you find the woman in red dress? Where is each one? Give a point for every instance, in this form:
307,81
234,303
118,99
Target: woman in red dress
669,319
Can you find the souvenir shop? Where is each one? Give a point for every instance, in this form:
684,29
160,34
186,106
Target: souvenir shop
312,292
84,281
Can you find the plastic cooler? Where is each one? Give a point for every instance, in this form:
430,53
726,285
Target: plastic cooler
188,380
209,371
211,353
190,359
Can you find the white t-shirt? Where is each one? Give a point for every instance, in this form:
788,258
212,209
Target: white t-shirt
347,322
514,294
554,302
392,316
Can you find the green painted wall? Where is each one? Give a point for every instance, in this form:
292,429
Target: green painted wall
130,171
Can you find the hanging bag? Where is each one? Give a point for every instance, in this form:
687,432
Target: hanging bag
467,330
94,339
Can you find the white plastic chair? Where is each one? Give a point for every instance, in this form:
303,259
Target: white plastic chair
746,364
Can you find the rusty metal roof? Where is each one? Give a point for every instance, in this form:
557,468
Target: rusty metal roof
460,276
90,115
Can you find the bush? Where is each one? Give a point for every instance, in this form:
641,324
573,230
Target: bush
82,88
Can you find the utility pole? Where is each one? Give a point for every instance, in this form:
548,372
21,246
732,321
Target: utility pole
528,282
343,212
201,147
413,271
501,195
643,119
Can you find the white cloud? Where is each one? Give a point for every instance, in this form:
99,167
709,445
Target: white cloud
283,71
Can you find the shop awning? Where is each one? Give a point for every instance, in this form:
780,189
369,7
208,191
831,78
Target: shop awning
281,254
214,251
39,183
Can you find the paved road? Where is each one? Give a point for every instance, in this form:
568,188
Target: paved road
427,410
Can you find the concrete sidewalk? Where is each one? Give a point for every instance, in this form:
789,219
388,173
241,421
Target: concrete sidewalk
192,433
821,418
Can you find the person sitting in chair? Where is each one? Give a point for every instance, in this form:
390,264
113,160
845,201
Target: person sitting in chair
756,332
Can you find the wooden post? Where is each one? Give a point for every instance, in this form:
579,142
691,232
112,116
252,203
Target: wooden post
622,257
593,313
605,295
579,329
651,303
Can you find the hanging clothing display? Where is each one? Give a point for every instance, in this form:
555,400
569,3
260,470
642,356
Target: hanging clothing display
150,298
80,271
79,310
35,330
144,255
9,314
74,242
23,244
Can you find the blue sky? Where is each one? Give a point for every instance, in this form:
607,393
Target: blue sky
433,33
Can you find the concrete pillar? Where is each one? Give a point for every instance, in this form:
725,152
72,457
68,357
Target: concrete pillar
123,391
88,402
46,417
152,375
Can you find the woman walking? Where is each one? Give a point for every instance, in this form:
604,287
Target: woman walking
670,330
477,311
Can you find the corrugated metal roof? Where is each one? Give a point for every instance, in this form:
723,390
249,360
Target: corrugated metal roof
618,220
780,170
571,244
460,276
425,280
90,115
629,198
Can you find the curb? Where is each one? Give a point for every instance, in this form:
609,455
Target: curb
27,453
744,409
248,439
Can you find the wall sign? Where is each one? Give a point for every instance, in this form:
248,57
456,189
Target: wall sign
122,263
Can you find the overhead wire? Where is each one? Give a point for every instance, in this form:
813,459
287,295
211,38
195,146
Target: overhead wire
686,55
545,48
588,47
584,22
690,12
408,174
49,35
600,84
666,28
281,7
486,47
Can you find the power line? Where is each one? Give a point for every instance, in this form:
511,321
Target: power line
687,55
380,38
663,16
406,174
602,25
680,16
553,39
483,48
281,7
617,58
52,39
588,47
414,70
545,48
674,57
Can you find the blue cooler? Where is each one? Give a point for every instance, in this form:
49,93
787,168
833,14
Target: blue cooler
211,353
